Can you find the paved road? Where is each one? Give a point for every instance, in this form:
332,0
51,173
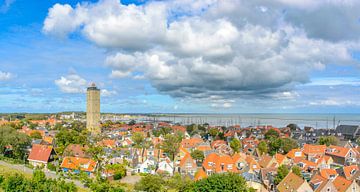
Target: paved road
48,174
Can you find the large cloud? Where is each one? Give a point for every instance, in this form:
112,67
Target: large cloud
215,49
73,83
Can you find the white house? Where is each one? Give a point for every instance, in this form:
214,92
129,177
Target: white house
148,166
166,166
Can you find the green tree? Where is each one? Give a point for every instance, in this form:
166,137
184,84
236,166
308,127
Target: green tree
328,140
179,183
138,139
165,130
191,128
293,127
263,147
18,142
132,122
213,132
227,182
197,155
36,135
119,170
282,171
151,183
288,144
272,133
16,182
235,144
275,144
296,170
171,145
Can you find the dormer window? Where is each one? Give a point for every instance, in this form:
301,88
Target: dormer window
332,177
352,172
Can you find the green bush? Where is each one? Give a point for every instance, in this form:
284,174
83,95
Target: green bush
51,167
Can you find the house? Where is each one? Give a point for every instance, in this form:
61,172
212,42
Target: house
201,174
342,155
148,166
77,164
252,180
216,163
281,159
349,131
166,166
293,153
239,160
329,174
292,183
76,150
191,143
41,155
351,172
313,150
267,161
109,143
343,185
252,164
187,165
321,184
267,176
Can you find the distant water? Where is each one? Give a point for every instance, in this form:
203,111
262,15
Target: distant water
278,120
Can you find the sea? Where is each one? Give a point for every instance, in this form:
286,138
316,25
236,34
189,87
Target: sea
318,121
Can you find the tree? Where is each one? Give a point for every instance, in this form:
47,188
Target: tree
171,145
197,155
288,144
138,139
263,147
293,127
18,142
119,170
165,130
296,170
36,135
272,133
235,145
16,182
150,183
132,122
275,145
179,183
213,132
221,182
190,129
282,171
328,140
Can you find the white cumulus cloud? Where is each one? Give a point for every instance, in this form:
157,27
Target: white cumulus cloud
5,76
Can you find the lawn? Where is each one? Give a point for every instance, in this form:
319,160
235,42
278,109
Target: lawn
7,171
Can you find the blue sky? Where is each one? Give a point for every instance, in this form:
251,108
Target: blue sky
181,56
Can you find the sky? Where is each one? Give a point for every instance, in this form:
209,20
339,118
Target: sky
181,56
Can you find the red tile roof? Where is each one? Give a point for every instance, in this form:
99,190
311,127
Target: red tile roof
337,151
350,171
326,173
191,143
78,163
40,153
309,149
341,184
